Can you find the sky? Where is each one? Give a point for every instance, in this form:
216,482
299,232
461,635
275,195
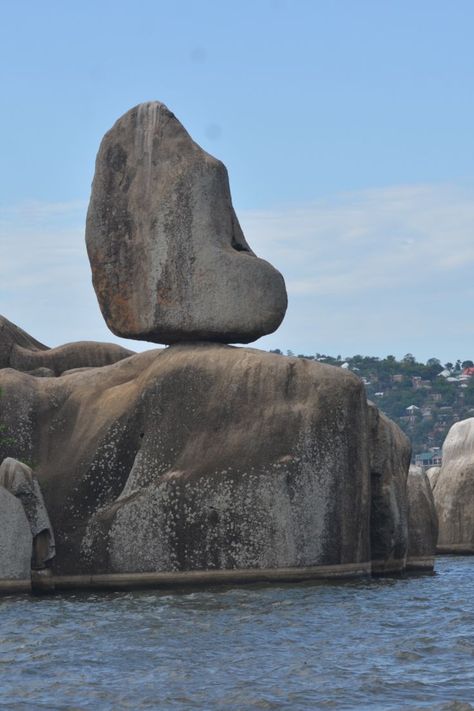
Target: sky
346,127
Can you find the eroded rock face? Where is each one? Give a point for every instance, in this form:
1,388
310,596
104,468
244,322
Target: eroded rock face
454,490
169,259
198,457
20,351
19,480
15,541
433,475
390,453
422,521
208,457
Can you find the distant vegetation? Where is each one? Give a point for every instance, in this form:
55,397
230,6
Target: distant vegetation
424,399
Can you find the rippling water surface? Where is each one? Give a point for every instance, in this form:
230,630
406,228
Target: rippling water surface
383,644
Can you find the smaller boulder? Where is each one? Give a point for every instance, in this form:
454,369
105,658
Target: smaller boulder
15,545
454,490
422,521
390,453
18,479
433,474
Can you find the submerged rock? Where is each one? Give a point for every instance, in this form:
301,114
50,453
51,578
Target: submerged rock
169,260
422,521
454,490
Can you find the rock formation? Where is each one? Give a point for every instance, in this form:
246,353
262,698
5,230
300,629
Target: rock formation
390,453
198,457
18,479
454,490
433,474
169,260
422,521
20,351
211,458
198,462
15,545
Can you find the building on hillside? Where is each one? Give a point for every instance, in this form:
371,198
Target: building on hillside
398,378
429,459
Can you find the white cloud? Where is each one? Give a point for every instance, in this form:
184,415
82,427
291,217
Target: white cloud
366,240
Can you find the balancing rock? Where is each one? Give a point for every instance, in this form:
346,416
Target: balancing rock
169,260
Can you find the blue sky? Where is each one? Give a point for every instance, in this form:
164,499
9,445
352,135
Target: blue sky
346,127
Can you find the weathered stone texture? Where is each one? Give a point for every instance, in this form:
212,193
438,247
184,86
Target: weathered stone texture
433,475
390,453
201,457
20,351
422,521
454,490
15,540
169,259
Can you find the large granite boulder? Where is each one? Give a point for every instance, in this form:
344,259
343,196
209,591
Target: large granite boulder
169,260
422,521
390,453
210,460
454,490
15,545
202,457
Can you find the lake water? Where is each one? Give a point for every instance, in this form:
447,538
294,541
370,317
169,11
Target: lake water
381,644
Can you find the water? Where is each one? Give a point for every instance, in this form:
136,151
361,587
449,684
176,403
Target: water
384,644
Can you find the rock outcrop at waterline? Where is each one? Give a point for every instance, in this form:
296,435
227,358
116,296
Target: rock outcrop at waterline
433,475
169,260
422,520
211,458
454,490
15,545
390,453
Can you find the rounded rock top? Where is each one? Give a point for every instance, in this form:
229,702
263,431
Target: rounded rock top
169,260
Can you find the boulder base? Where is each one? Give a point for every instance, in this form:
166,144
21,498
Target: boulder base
212,463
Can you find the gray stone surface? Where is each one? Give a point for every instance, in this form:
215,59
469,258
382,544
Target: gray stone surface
169,259
15,539
422,520
433,474
454,490
198,457
390,453
19,480
20,351
209,457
